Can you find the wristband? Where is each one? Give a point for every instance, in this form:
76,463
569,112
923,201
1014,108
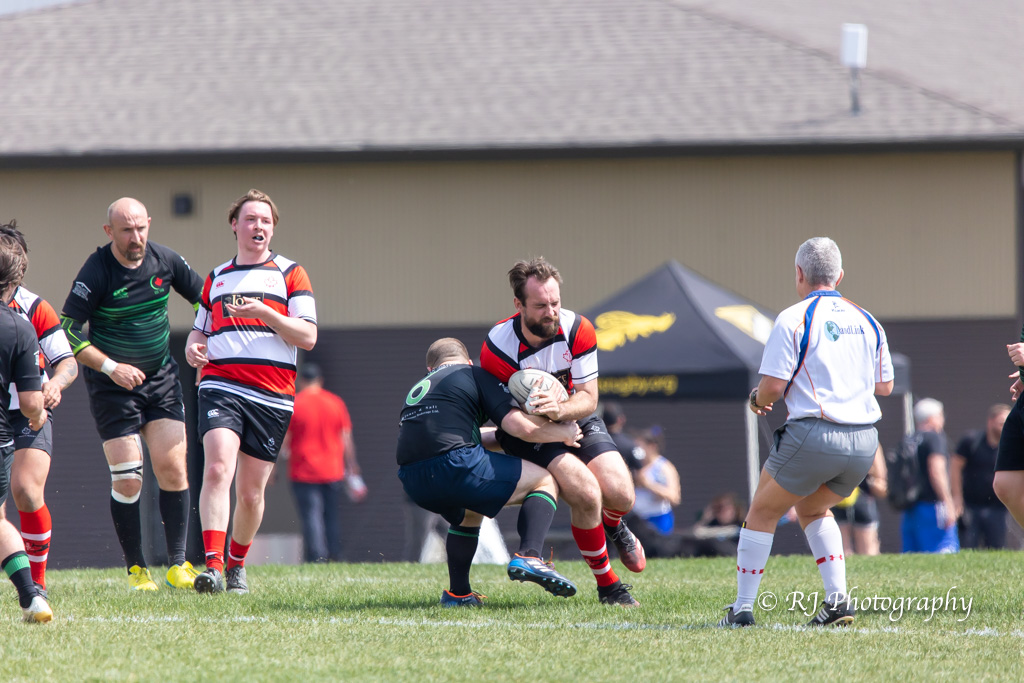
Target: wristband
753,399
109,365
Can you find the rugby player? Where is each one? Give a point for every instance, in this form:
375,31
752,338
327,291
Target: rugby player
593,479
122,293
445,469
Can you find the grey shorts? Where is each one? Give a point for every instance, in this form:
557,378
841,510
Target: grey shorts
810,452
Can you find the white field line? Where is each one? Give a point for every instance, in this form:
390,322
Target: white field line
491,623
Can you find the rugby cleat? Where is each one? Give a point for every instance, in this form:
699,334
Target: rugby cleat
181,576
542,573
236,582
734,618
139,579
38,611
473,599
631,552
209,581
617,594
835,613
42,591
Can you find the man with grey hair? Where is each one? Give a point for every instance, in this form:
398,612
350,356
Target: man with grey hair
929,525
828,358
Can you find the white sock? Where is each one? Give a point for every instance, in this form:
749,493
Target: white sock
751,557
826,543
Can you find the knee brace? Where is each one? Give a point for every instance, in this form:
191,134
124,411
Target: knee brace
126,470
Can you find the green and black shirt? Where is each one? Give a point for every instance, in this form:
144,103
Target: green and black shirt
126,308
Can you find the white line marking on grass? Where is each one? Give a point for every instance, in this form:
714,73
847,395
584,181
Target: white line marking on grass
493,623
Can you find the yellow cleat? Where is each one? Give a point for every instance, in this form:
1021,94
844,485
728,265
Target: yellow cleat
181,576
140,580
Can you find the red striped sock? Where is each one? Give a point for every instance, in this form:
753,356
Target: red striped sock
35,534
595,552
611,517
213,541
237,553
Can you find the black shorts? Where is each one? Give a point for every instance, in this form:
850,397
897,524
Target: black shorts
25,437
862,514
462,479
7,454
260,427
596,440
122,412
1010,456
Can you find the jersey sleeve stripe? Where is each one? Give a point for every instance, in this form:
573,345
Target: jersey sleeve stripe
804,341
496,362
874,325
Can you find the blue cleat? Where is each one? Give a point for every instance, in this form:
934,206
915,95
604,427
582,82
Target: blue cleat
471,600
542,573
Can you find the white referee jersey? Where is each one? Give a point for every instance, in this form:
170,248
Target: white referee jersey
831,352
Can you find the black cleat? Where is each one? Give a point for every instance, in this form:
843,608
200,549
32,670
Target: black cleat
236,582
631,552
209,581
835,613
737,619
617,594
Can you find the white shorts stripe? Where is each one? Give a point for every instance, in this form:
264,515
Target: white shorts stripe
282,404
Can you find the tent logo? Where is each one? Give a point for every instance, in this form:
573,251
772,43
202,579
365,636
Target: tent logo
748,320
832,330
615,328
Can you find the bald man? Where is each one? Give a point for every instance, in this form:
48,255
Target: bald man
121,293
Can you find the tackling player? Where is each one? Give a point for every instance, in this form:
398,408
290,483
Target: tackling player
33,448
255,310
445,469
545,336
122,292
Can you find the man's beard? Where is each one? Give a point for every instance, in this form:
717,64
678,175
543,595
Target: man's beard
135,254
544,330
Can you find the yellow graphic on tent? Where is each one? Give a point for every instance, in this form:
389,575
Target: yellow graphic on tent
748,320
615,328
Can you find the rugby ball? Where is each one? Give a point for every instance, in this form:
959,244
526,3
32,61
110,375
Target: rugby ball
520,385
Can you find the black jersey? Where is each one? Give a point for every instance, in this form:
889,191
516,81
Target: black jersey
19,363
444,411
126,308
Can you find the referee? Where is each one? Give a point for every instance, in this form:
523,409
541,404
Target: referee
828,358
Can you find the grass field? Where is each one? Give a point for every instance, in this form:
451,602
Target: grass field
382,622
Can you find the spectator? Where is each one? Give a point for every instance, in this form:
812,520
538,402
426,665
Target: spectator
321,458
657,484
615,421
929,526
717,531
857,514
972,470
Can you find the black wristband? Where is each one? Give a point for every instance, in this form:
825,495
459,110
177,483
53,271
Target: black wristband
753,399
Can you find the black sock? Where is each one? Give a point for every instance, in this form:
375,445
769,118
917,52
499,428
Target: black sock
461,546
174,512
17,568
535,517
128,526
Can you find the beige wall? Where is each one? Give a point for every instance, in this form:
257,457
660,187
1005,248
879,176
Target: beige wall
923,235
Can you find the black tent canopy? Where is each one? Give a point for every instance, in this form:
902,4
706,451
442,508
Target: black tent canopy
674,335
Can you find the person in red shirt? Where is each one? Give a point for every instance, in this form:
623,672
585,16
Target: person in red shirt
321,458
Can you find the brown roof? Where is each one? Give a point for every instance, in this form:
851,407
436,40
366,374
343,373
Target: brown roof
150,77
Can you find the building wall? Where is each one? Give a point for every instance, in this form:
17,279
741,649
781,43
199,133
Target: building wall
427,243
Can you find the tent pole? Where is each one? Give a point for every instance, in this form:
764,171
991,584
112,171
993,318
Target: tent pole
753,451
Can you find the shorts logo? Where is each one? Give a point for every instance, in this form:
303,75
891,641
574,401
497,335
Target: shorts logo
80,289
26,431
271,442
213,413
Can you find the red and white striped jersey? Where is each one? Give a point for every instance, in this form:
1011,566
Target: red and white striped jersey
571,355
246,356
53,344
